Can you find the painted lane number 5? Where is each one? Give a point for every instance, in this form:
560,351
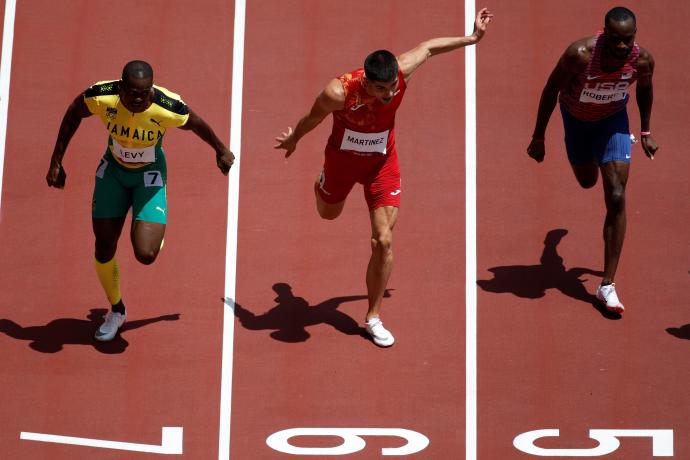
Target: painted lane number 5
662,442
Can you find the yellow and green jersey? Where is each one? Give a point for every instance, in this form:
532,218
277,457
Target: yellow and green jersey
135,138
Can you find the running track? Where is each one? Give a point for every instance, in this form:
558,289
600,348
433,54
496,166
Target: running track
546,357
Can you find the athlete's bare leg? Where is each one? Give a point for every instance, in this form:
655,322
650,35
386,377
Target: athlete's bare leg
327,211
615,177
586,174
146,240
381,261
107,233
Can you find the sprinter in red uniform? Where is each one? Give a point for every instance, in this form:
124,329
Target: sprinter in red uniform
361,149
591,80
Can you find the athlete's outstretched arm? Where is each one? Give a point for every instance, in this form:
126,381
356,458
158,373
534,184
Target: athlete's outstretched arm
70,122
411,60
224,157
332,98
645,96
569,65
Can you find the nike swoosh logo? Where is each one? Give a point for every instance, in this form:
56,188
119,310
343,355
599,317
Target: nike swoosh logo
397,192
589,77
355,107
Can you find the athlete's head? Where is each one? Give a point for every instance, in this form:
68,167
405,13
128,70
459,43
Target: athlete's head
136,86
381,75
620,27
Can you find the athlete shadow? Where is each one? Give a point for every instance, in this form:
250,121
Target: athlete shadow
292,315
682,332
532,281
53,336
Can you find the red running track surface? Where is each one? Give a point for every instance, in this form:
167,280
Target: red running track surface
547,357
164,369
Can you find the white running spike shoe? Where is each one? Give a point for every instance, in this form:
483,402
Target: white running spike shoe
113,322
607,294
381,336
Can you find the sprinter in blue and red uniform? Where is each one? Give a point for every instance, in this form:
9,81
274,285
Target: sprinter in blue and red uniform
591,81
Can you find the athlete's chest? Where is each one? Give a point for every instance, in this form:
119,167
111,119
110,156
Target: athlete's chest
138,128
363,110
603,81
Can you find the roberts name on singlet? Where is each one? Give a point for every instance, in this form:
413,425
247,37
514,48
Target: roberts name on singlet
365,142
603,93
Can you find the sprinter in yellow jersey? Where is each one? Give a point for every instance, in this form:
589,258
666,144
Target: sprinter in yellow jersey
132,172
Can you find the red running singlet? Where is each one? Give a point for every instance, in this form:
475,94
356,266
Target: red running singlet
365,126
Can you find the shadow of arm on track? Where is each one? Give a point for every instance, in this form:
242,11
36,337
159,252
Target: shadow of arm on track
682,332
137,323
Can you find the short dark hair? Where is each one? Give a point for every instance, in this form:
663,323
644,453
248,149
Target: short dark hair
619,14
381,65
137,70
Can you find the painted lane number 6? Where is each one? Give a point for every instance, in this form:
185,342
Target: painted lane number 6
352,442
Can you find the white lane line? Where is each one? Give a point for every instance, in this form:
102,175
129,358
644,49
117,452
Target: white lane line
470,239
5,71
171,442
231,235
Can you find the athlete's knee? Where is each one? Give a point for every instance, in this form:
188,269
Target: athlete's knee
586,175
105,250
328,214
328,211
382,242
587,182
615,199
146,256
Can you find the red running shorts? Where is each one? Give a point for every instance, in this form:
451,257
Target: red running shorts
378,174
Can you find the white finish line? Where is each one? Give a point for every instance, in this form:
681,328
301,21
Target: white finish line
171,443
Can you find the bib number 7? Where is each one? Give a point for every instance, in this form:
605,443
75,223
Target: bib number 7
153,179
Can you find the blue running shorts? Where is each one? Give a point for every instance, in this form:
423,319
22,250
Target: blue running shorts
604,140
